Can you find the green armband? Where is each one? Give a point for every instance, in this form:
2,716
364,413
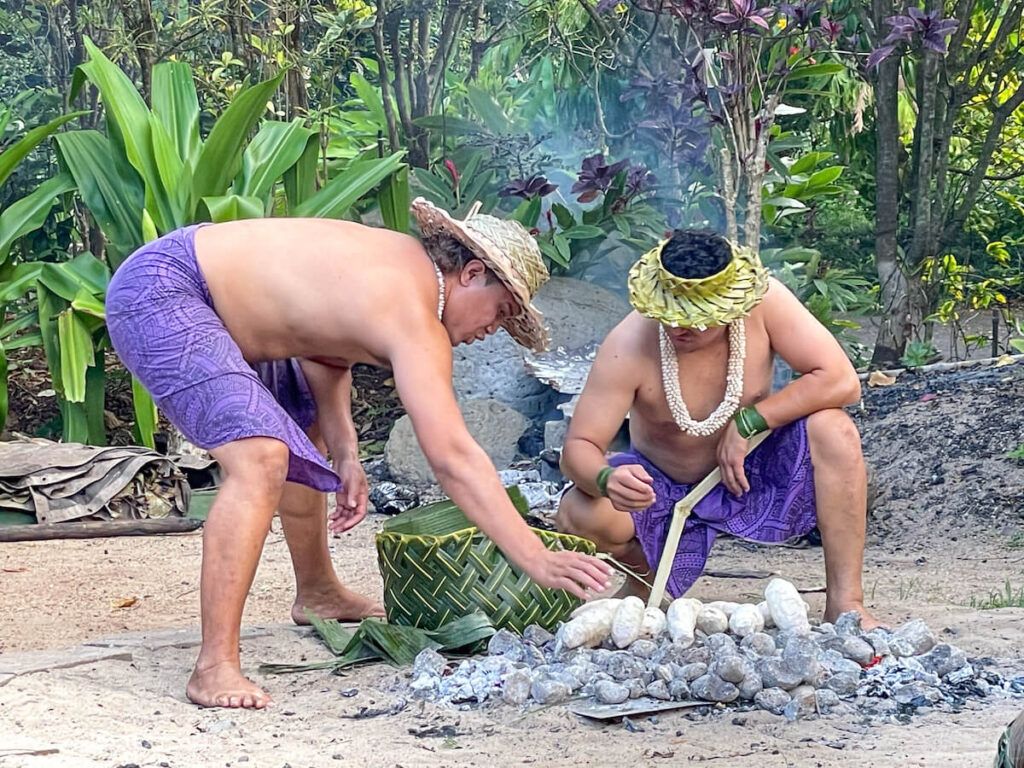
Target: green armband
602,479
749,422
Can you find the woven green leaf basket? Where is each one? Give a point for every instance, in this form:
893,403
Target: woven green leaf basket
437,566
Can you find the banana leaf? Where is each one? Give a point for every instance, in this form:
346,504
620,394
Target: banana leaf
342,192
220,159
29,212
300,179
376,640
76,354
3,386
394,200
145,415
176,105
18,151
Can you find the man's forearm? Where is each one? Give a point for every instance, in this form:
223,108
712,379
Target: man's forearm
332,391
812,392
581,463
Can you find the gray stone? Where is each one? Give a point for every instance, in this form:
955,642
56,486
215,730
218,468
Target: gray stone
825,700
494,369
690,672
495,427
961,675
665,672
802,704
507,644
659,690
578,312
772,700
912,639
856,649
943,659
637,688
775,674
719,642
532,655
817,675
713,688
750,686
758,644
679,690
624,666
554,434
643,649
430,662
879,640
916,693
547,690
537,635
799,649
699,655
848,624
836,663
731,668
424,686
608,692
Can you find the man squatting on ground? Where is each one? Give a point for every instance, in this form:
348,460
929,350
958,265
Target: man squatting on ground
245,333
707,324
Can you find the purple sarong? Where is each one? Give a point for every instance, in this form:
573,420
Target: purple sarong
779,505
166,331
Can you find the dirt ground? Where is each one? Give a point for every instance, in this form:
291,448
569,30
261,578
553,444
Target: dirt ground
946,534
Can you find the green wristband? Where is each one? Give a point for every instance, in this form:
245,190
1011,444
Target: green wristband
602,479
749,422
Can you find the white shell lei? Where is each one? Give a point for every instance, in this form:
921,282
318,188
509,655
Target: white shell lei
733,383
440,290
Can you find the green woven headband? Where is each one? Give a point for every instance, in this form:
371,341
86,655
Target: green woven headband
698,303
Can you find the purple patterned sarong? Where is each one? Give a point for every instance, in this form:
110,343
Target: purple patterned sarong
166,331
779,505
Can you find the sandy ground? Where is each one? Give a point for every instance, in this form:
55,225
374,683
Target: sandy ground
132,711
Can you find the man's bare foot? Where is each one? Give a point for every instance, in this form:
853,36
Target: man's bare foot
224,685
867,621
336,602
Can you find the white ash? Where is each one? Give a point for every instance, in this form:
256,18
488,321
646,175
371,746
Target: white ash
788,674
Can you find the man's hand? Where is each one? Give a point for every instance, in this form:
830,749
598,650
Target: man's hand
351,501
732,451
571,571
629,488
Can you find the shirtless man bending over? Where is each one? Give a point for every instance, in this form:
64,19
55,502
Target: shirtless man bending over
692,366
245,334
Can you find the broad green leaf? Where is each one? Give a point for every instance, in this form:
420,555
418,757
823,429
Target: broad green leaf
90,271
370,96
50,305
18,324
21,280
300,179
17,152
817,70
527,212
394,200
583,232
129,117
563,216
783,202
174,175
176,105
825,176
3,386
109,187
233,208
28,213
807,163
489,111
562,244
68,279
76,354
341,192
145,414
276,148
88,304
221,156
149,233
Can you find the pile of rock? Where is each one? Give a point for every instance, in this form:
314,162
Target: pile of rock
783,671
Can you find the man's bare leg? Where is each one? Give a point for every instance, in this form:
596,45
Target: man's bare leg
611,530
233,536
840,490
303,512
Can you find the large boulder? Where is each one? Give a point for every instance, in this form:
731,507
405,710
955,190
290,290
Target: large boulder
495,426
576,312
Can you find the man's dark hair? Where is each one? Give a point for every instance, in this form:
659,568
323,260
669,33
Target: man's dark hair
695,253
451,255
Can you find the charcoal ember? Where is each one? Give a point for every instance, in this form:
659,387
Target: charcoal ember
912,639
772,700
714,688
856,649
879,639
515,688
665,672
943,659
643,649
637,688
609,692
775,674
719,642
430,662
548,690
690,672
659,690
750,686
731,668
916,694
802,704
825,700
624,666
507,644
848,624
393,499
537,635
843,683
679,690
758,644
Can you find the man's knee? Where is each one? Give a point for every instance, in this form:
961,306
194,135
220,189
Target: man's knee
568,516
261,462
833,436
